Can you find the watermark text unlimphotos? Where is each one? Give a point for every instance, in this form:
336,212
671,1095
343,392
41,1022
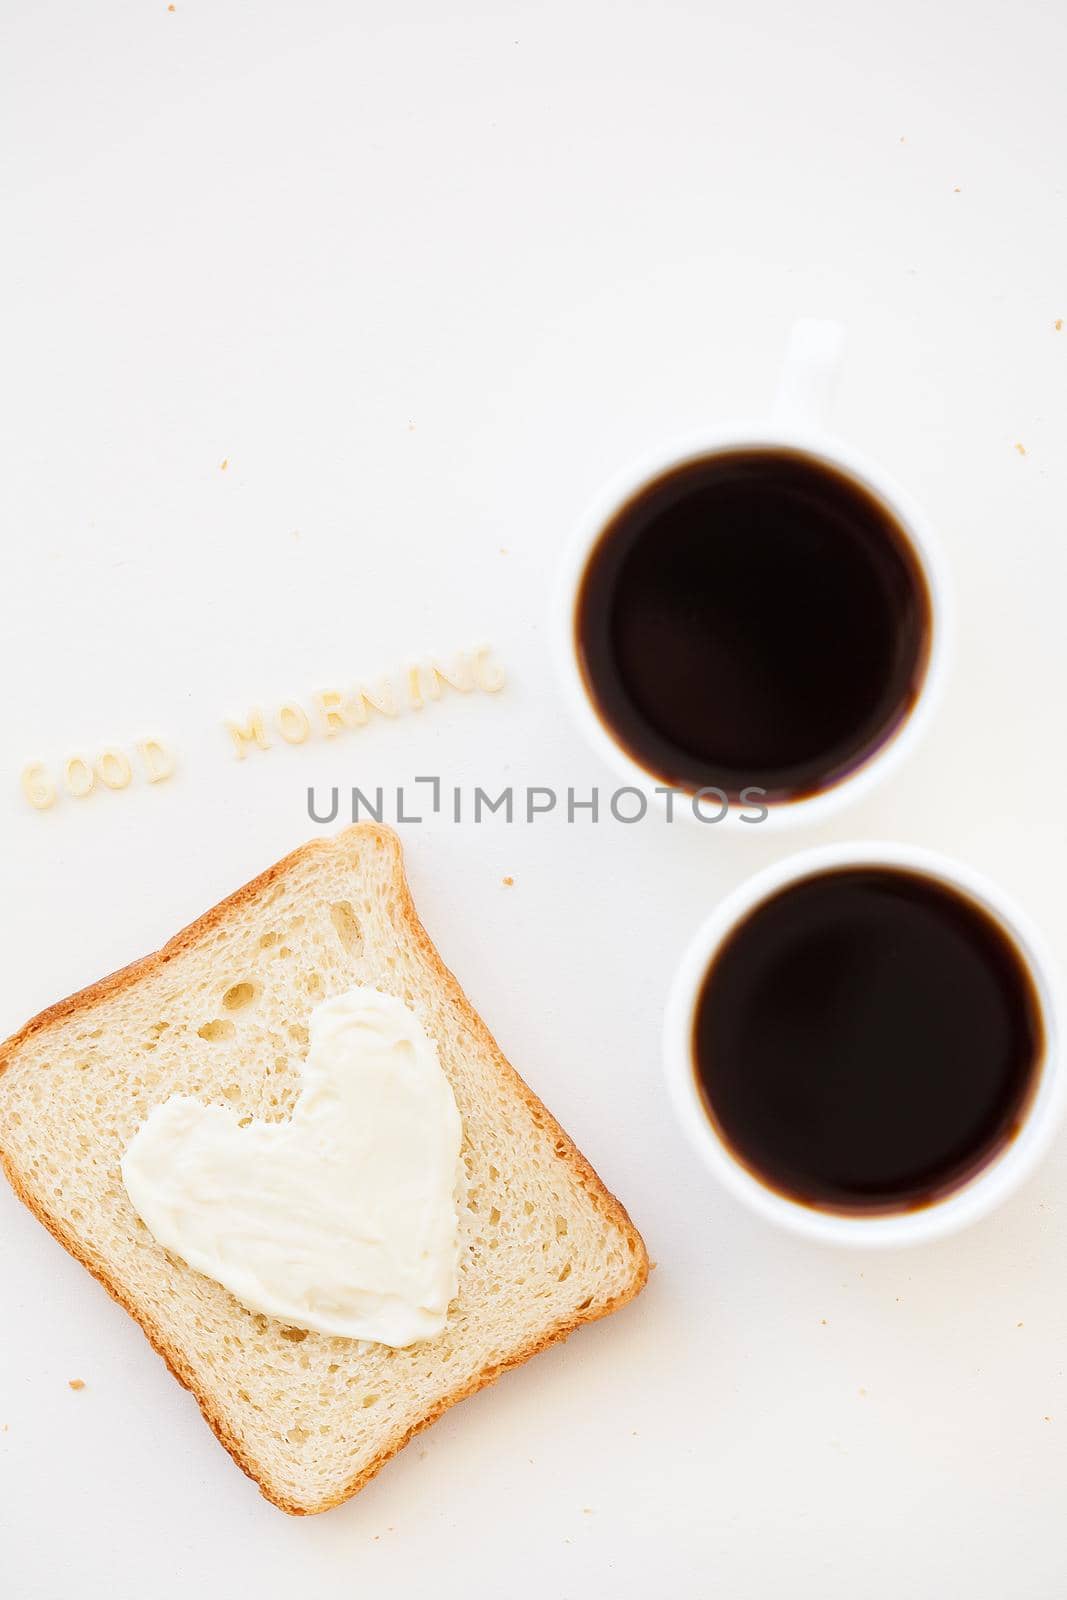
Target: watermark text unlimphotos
422,798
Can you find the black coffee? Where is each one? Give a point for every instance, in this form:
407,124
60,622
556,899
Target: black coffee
866,1040
753,618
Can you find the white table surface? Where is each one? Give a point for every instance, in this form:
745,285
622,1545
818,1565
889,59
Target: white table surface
425,276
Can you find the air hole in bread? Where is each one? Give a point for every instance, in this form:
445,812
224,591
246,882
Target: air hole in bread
565,1274
239,995
295,1335
220,1028
347,928
267,940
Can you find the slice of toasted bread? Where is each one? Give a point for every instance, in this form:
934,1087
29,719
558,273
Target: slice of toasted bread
221,1013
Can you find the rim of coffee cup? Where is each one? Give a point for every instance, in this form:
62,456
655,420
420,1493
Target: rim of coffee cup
992,1184
885,758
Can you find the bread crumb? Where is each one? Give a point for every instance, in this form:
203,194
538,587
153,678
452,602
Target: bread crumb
1021,448
955,191
224,463
1018,1324
172,8
822,1322
587,1511
509,883
862,1391
1058,324
76,1383
1048,1419
504,548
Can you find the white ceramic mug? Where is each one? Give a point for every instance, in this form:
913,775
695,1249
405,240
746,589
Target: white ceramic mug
798,422
1005,1169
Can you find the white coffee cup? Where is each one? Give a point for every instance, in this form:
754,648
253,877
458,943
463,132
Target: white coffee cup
1006,1168
798,423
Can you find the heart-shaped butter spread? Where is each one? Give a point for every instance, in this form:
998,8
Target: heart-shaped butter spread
343,1219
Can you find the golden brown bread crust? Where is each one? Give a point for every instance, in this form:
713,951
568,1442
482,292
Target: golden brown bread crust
606,1202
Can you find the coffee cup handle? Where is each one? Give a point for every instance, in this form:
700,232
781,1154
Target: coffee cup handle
809,375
